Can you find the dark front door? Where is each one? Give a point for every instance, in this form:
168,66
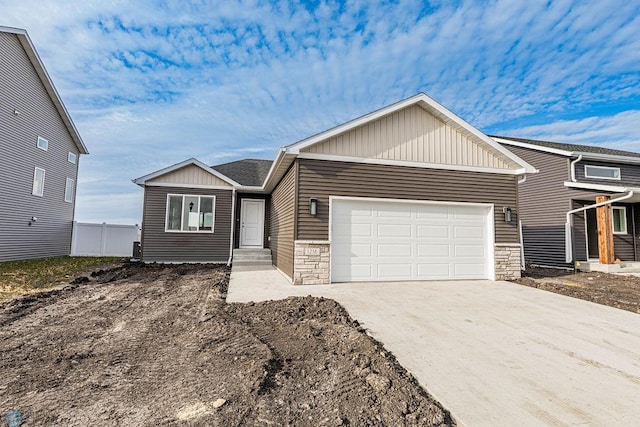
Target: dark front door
592,234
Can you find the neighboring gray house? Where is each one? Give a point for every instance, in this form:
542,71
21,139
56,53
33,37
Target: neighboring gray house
570,178
408,192
40,149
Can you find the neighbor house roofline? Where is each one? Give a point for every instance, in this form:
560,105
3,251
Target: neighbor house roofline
33,56
143,179
587,155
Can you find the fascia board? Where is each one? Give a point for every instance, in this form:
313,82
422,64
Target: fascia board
535,147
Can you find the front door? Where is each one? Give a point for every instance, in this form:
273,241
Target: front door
251,223
592,234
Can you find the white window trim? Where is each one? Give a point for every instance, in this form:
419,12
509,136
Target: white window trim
66,187
166,214
624,218
75,157
33,188
46,144
586,175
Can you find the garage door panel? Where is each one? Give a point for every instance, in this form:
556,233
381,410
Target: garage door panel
389,241
395,271
394,230
433,250
432,231
468,232
469,270
469,251
394,250
434,270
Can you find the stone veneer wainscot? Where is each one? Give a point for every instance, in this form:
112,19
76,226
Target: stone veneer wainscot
311,262
507,261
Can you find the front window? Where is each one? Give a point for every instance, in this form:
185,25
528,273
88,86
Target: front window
601,172
188,213
619,220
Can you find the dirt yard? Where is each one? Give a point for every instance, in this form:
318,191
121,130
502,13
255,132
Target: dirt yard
608,289
158,345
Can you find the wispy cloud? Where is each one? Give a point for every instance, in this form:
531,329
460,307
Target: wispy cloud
151,83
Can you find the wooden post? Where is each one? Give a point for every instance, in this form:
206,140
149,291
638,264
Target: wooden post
605,231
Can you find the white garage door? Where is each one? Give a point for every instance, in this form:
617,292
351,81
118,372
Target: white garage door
388,241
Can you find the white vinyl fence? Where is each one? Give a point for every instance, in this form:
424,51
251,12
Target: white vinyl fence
103,239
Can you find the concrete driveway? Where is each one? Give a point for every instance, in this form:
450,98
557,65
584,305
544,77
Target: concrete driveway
493,353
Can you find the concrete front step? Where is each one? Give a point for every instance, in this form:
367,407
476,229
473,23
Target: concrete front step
252,257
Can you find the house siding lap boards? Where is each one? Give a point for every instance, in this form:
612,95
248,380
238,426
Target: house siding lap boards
161,246
23,91
321,179
283,206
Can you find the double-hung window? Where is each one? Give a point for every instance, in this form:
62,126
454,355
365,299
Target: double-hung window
601,172
190,213
38,182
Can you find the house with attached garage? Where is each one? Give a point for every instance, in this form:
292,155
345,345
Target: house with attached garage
41,150
581,208
407,192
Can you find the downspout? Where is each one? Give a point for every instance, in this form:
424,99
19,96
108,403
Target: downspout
233,225
573,168
567,226
522,264
633,225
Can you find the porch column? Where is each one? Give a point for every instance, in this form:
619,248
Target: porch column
605,231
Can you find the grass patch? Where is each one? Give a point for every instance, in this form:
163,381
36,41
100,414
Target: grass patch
34,275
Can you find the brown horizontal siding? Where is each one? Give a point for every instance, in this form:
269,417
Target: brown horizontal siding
158,245
267,216
320,179
283,202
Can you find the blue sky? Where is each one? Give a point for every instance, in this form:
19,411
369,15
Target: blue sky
151,83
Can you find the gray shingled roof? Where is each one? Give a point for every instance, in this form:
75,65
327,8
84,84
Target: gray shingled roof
251,172
572,147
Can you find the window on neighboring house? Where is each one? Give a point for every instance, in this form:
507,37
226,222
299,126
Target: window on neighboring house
189,213
601,172
72,157
619,215
38,182
68,190
43,144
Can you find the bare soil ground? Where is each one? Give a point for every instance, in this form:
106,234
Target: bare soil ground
619,291
158,345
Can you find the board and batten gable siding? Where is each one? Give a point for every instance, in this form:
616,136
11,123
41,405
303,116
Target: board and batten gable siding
413,135
190,175
629,174
22,90
283,220
159,245
321,178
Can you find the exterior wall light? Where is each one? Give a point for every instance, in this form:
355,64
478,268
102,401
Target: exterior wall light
507,214
313,206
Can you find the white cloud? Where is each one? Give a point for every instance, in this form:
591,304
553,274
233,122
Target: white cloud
151,83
